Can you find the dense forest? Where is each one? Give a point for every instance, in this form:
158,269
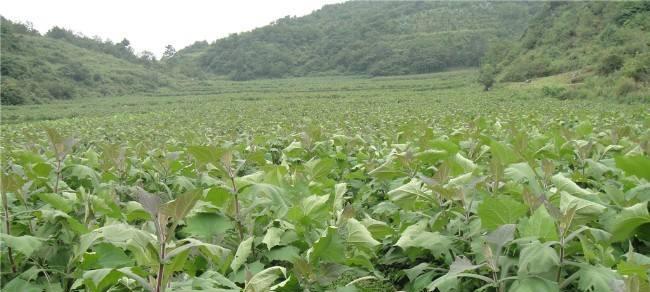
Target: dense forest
380,38
63,65
604,46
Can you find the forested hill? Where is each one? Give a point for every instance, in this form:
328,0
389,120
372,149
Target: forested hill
604,46
62,65
375,38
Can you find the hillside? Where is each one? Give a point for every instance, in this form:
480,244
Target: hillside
37,68
375,38
603,45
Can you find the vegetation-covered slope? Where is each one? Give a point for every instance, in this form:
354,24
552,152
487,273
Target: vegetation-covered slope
604,44
36,68
378,38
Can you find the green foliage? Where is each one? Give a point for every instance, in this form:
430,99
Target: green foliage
472,190
486,76
610,64
378,39
61,65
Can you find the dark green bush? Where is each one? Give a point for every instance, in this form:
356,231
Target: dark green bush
624,86
12,93
610,64
638,68
60,90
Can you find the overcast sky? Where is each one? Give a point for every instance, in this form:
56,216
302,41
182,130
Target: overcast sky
150,25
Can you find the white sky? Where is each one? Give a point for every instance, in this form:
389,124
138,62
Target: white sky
151,25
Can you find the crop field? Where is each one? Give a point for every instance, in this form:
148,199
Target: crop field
411,183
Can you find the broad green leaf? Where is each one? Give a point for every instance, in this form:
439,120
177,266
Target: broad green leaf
111,256
57,201
178,208
564,184
359,235
533,284
339,192
25,244
537,258
100,279
416,236
626,223
207,225
243,251
328,248
406,195
540,225
287,253
523,173
20,285
638,165
264,280
272,237
319,168
502,152
596,278
582,206
499,211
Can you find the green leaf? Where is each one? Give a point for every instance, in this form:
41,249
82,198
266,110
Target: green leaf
57,201
111,256
523,173
582,206
178,208
499,211
564,184
359,235
243,251
626,223
540,225
100,279
264,280
416,236
272,237
286,253
18,284
25,244
207,225
638,165
537,258
533,284
218,196
596,278
328,248
319,168
204,154
406,195
502,152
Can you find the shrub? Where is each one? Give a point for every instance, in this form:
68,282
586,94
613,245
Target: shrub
610,64
624,86
554,92
638,68
60,90
12,93
486,76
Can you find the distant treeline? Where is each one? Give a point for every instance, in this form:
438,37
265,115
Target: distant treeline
373,38
603,44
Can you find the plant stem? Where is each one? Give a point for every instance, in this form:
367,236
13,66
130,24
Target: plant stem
5,206
559,269
58,174
240,227
161,267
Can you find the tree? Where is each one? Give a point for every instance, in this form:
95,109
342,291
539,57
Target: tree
169,52
147,57
486,76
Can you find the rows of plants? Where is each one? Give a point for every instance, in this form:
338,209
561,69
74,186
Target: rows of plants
493,205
